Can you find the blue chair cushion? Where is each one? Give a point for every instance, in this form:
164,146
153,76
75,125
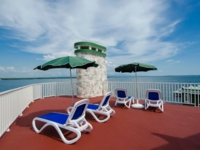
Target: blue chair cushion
55,117
106,100
153,96
121,94
79,111
129,97
93,106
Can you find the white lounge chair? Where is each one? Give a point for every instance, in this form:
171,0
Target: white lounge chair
153,99
103,108
74,122
122,97
100,109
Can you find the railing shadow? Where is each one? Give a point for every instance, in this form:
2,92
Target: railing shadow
26,121
190,142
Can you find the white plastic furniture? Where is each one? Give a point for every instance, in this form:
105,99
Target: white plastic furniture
74,122
153,99
122,97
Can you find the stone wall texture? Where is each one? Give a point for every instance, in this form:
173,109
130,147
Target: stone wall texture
93,81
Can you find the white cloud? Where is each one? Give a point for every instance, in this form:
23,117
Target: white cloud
173,61
10,69
131,30
7,69
169,61
2,68
11,72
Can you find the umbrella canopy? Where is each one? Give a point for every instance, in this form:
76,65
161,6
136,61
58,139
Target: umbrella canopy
135,67
71,62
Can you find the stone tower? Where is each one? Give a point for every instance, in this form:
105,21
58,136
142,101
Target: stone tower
93,81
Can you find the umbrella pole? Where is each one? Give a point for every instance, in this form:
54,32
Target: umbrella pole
137,105
72,87
136,83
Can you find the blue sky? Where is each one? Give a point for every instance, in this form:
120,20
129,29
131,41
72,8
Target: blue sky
164,33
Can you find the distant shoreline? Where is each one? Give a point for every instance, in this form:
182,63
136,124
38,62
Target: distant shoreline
116,76
36,78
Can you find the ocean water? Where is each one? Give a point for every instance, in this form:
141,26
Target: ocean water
9,84
182,79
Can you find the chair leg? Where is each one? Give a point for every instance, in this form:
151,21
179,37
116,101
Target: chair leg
133,101
146,105
102,113
89,126
115,102
129,104
112,113
77,132
162,107
109,110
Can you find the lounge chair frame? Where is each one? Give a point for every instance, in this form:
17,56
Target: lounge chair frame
122,97
102,109
154,101
74,122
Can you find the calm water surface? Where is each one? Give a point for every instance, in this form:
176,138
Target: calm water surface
11,84
187,79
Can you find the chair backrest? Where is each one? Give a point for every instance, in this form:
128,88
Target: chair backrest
78,109
121,93
153,94
105,99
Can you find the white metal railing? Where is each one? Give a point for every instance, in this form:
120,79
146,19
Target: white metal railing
13,102
37,91
57,89
181,93
48,89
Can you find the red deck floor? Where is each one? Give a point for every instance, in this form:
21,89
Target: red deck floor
177,128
